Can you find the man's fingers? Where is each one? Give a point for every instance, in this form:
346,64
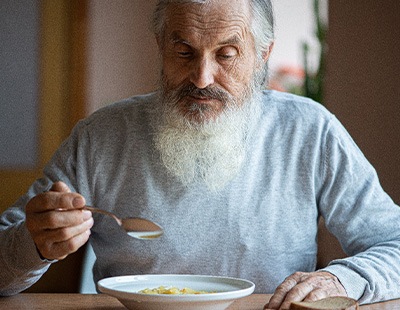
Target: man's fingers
61,197
58,243
56,221
304,291
55,200
59,219
282,290
305,286
59,250
63,234
60,187
316,295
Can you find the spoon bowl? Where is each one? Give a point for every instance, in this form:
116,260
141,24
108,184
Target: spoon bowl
135,227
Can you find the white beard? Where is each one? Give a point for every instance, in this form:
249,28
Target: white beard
212,152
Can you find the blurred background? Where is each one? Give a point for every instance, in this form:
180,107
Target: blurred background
61,60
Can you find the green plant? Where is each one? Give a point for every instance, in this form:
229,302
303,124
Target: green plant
314,81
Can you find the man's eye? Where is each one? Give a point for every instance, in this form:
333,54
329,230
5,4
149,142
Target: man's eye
227,53
185,54
183,50
226,56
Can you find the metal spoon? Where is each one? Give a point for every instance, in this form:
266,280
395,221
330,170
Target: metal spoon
136,227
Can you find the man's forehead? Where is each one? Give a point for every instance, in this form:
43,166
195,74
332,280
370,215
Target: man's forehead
212,18
210,11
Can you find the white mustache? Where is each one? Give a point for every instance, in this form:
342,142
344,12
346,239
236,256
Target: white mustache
211,92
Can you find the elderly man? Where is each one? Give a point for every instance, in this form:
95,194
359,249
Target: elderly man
237,176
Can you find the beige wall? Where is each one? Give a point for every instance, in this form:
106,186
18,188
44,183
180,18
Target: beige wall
122,53
363,80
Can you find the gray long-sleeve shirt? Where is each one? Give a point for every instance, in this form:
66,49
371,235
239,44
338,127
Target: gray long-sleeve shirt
262,226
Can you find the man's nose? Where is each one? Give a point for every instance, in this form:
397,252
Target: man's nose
202,74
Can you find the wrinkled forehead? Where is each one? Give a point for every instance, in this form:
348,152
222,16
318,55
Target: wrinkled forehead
210,18
209,14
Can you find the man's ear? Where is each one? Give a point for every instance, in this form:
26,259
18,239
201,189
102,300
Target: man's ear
267,53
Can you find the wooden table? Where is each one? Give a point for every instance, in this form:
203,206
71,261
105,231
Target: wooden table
104,302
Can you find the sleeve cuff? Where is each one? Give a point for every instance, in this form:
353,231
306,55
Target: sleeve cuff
353,283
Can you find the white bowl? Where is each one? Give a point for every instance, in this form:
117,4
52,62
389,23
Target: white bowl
224,291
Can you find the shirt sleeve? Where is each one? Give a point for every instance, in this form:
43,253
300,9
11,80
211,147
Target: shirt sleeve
21,263
363,218
19,258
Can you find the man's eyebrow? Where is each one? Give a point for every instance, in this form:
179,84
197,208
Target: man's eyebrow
234,40
176,38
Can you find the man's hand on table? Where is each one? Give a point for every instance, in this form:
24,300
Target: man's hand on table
57,223
305,286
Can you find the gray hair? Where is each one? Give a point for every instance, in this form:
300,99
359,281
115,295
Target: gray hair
262,27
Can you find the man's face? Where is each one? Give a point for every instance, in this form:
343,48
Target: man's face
209,58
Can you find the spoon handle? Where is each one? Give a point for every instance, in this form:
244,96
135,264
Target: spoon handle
89,208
